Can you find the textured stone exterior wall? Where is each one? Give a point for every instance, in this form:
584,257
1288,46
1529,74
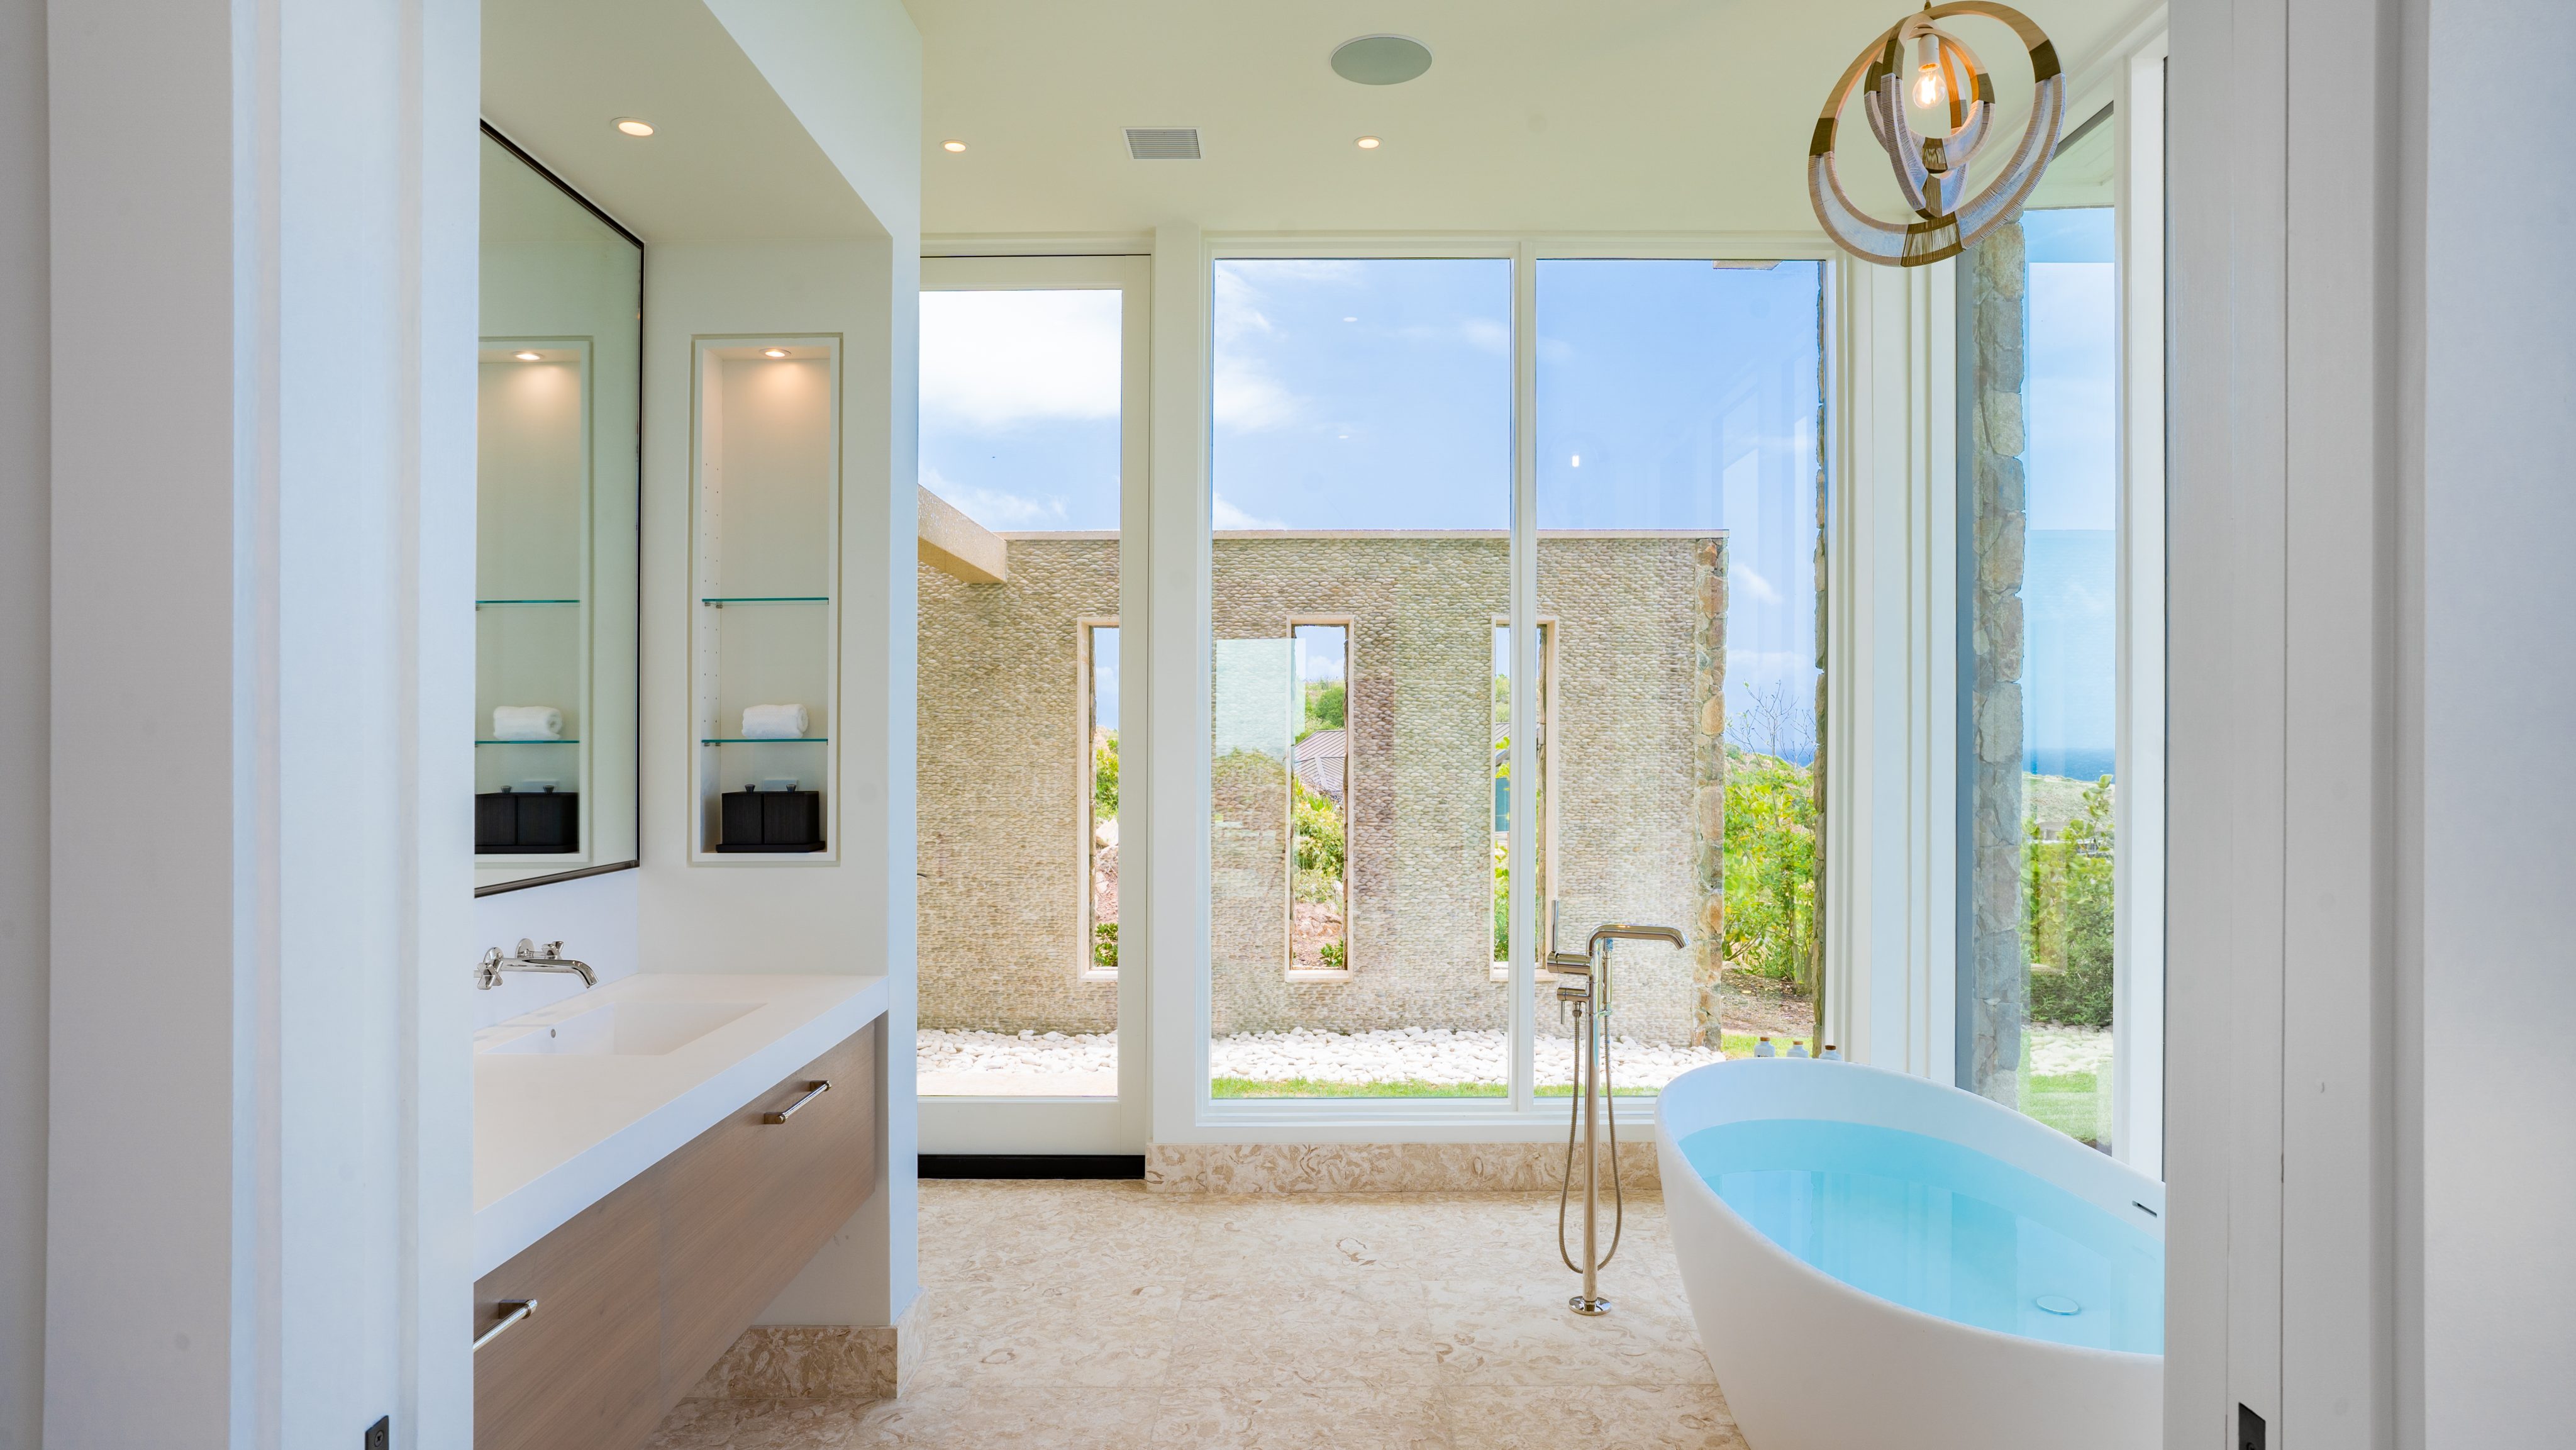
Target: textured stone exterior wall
1001,777
1640,652
1998,314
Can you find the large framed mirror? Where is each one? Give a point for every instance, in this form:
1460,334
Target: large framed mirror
558,494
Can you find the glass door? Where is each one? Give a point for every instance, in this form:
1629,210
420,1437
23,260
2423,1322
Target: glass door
1032,457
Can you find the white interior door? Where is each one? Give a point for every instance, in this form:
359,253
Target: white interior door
1033,431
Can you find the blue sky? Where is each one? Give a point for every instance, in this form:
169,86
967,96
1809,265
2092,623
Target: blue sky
1377,394
2069,588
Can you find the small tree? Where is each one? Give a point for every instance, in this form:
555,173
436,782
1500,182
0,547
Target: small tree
2066,914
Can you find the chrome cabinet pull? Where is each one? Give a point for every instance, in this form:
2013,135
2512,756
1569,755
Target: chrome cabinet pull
813,1090
512,1311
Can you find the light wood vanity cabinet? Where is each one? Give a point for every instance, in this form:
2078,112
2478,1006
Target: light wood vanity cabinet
643,1291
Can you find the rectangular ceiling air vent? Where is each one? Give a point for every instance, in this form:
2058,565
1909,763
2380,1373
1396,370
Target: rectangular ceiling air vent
1163,143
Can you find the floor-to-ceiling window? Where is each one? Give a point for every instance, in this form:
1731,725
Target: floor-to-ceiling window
1678,453
1021,392
1362,474
1381,883
2051,576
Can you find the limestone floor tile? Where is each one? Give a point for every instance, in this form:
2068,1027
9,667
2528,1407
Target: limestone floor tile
1553,1417
1295,1329
1005,1232
1082,1335
760,1424
1523,1334
953,1417
1401,1418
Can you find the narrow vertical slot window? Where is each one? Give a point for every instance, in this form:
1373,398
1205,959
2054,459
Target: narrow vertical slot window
1319,791
1100,799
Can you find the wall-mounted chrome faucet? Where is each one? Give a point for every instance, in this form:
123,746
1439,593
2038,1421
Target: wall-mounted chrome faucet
529,959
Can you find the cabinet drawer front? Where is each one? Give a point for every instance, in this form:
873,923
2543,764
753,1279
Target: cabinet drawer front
748,1203
581,1373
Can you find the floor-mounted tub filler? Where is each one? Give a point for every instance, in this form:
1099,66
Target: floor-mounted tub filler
1878,1260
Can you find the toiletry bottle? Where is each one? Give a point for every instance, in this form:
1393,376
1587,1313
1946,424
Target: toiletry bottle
1765,1049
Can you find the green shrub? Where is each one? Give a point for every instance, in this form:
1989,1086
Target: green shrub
1771,867
2066,915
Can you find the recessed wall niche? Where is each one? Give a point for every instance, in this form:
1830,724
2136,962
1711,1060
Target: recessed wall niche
556,508
765,565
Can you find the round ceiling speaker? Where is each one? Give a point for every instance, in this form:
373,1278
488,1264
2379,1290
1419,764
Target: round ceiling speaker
1381,60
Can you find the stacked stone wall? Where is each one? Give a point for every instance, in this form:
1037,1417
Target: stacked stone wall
1637,767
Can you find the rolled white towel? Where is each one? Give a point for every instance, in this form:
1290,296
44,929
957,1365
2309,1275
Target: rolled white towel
527,722
773,722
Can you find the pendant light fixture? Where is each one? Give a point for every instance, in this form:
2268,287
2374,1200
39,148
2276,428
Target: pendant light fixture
1946,78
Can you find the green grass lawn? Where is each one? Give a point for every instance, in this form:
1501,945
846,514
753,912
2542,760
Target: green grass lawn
2073,1104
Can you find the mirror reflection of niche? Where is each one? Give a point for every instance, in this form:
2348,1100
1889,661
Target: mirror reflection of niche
556,514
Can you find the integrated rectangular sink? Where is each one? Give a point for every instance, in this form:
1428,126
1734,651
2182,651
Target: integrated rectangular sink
626,1029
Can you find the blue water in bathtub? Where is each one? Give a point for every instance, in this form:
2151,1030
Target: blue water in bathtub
1938,1227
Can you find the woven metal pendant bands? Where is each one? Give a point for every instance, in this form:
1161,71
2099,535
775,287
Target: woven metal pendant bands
1933,171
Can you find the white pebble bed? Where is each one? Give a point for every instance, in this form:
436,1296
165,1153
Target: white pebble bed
2057,1051
988,1062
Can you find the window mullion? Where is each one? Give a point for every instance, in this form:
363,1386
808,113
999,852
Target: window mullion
1523,928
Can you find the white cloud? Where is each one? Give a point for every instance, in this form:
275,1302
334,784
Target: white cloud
994,359
995,509
1226,516
1762,590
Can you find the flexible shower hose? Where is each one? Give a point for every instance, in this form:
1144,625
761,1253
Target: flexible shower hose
1574,1128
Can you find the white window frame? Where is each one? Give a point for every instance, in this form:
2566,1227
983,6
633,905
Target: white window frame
1185,259
1088,1124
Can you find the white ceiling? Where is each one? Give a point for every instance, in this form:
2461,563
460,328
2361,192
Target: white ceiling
727,160
1539,115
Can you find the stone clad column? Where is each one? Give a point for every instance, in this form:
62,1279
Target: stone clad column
1997,315
1708,779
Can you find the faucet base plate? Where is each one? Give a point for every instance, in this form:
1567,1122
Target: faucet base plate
1595,1306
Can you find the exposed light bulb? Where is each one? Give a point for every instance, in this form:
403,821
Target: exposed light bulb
1578,460
773,352
1929,89
634,127
1368,143
526,356
952,145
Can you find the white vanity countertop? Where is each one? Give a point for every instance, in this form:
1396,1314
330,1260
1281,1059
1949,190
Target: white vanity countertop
555,1134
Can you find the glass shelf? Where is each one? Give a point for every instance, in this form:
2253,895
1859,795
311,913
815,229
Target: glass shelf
723,600
762,740
527,742
480,603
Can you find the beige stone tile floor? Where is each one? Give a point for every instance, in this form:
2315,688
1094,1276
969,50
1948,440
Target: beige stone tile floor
1076,1315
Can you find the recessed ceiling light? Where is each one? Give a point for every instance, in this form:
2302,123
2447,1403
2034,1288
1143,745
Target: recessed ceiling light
773,352
1368,143
633,127
1381,60
952,145
524,355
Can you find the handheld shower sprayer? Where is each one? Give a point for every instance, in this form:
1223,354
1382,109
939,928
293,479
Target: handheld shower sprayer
1584,984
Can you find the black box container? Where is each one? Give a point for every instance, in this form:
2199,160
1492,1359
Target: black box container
527,823
772,820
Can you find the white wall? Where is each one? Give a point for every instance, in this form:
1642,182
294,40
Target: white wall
24,596
2371,686
262,328
593,916
2496,691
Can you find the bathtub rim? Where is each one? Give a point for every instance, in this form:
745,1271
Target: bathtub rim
1679,1176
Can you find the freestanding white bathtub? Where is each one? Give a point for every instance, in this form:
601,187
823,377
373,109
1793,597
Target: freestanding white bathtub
2030,1267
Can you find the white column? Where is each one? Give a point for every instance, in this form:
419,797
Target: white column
263,322
1172,759
1891,768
